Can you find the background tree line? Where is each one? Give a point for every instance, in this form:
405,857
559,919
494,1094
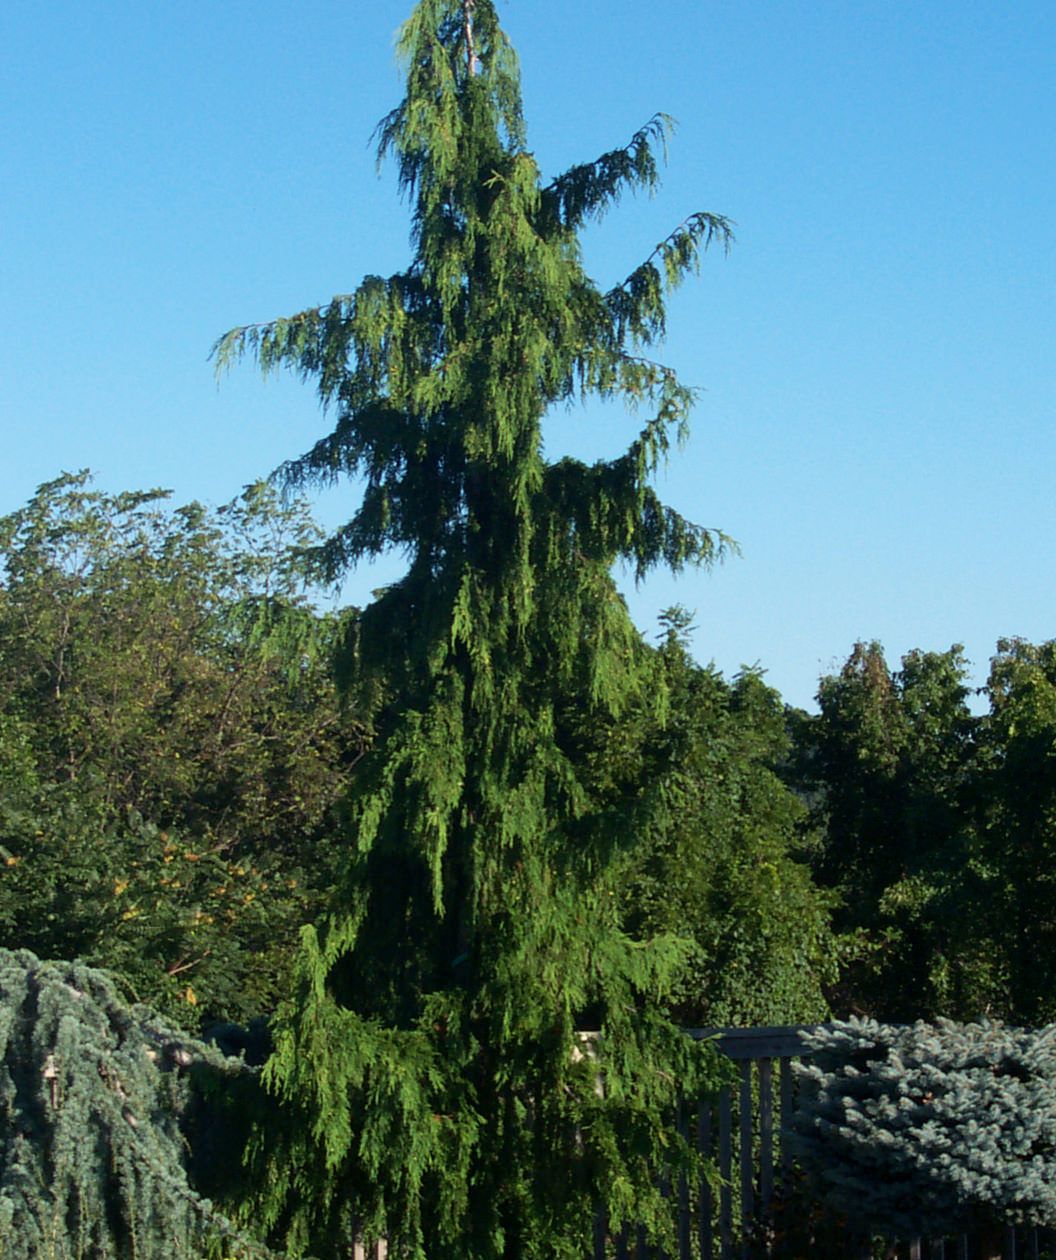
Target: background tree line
936,829
175,751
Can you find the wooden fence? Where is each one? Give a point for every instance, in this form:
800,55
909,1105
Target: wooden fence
745,1137
743,1132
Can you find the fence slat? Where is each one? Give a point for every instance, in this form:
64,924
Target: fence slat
682,1124
747,1156
622,1252
725,1173
641,1252
786,1115
601,1235
766,1135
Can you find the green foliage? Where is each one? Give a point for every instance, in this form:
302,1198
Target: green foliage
720,853
92,1095
1016,793
177,922
888,767
437,1089
937,830
931,1129
169,735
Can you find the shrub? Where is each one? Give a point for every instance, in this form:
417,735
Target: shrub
930,1128
92,1095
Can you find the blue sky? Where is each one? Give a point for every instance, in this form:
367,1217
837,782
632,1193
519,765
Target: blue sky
876,354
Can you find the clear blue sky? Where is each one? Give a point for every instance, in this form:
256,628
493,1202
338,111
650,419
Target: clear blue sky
876,354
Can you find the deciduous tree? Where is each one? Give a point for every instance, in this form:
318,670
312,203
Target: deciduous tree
887,764
1016,800
722,857
170,741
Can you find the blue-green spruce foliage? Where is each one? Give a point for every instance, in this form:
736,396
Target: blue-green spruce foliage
92,1095
931,1128
437,1090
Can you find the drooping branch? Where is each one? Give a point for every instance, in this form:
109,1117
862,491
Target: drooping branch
98,1152
588,189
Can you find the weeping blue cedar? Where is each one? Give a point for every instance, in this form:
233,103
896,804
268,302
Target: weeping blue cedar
437,1089
94,1100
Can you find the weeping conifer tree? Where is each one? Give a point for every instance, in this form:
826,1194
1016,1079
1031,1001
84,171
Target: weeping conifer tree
94,1096
437,1086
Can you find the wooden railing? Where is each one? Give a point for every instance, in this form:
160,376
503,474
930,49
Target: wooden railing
742,1130
755,1127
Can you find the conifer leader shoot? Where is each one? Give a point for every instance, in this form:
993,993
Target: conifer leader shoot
429,1056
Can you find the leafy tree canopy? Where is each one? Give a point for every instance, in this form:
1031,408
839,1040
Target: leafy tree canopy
722,857
1016,813
937,831
169,736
